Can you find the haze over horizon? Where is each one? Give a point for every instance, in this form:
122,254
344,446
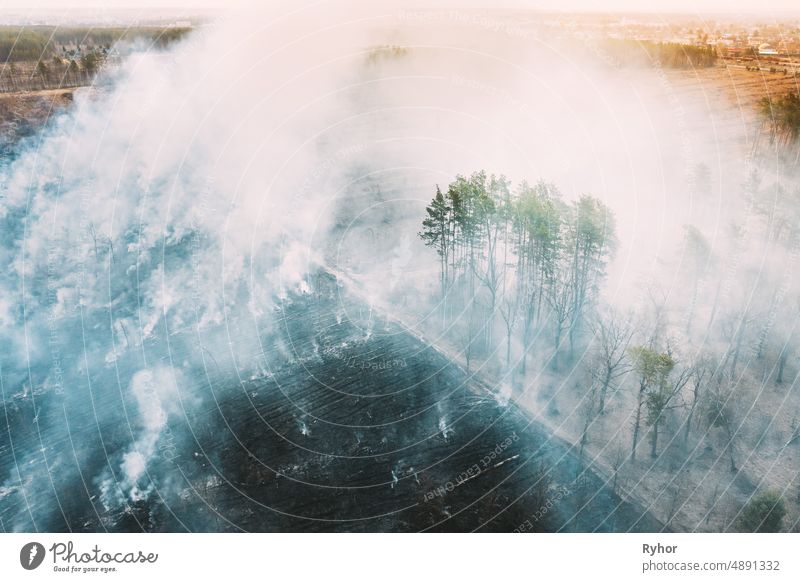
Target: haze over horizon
769,7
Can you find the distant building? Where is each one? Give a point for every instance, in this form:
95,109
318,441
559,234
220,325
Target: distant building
766,49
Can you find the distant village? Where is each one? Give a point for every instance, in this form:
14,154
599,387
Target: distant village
730,38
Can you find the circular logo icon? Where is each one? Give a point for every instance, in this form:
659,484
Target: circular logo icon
31,555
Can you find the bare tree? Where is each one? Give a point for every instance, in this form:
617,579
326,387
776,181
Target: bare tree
697,254
702,369
588,412
661,399
612,334
720,413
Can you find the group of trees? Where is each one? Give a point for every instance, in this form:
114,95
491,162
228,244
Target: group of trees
46,57
735,337
683,56
666,54
55,73
521,255
524,261
782,117
520,290
40,43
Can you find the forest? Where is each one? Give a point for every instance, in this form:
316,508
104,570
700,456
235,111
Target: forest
665,54
39,43
522,273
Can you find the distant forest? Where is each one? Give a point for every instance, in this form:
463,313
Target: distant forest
665,54
35,43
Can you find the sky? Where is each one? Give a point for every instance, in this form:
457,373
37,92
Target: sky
764,7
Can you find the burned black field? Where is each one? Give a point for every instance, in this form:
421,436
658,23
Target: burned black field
355,425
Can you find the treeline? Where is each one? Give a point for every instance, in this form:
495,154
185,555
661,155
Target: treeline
54,73
665,54
35,43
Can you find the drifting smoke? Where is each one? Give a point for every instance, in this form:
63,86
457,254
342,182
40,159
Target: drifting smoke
157,226
161,210
156,398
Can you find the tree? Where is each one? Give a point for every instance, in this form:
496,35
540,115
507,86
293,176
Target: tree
701,370
89,62
12,69
784,332
697,254
509,301
561,304
468,198
764,513
74,71
509,311
653,368
720,414
588,413
437,233
612,334
590,241
42,72
658,401
492,216
739,329
538,224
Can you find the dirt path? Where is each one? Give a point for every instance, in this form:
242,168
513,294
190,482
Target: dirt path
40,93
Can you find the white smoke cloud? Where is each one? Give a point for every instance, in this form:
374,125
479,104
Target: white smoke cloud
157,398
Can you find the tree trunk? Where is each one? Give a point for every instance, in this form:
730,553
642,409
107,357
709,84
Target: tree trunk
689,422
691,413
692,306
654,443
584,437
572,339
714,307
637,422
601,409
508,347
781,366
525,346
557,345
730,449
